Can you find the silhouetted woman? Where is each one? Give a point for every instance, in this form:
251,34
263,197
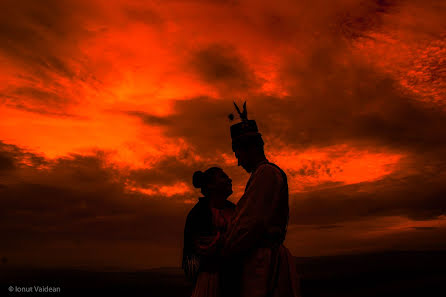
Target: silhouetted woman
204,224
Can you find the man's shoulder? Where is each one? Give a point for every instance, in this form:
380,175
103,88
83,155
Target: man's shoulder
274,165
271,169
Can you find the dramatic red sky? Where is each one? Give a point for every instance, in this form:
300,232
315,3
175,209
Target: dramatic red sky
108,107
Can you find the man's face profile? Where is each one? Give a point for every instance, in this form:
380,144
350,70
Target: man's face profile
242,156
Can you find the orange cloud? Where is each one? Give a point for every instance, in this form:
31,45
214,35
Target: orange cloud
337,164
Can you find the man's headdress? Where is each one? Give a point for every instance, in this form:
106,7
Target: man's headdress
246,128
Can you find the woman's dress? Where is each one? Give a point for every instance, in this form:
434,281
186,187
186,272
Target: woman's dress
203,228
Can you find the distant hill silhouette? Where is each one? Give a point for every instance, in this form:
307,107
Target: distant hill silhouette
381,274
396,273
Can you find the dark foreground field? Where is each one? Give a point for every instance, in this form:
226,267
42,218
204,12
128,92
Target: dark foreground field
380,274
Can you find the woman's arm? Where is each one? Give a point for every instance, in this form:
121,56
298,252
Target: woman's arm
191,260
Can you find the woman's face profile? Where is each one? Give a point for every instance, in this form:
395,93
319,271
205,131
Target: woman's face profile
221,183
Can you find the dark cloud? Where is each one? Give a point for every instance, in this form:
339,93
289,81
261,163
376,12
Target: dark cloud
6,162
145,15
33,33
202,121
13,157
81,197
222,66
355,106
334,103
36,95
174,169
328,226
149,119
314,168
417,197
424,228
367,17
42,109
386,119
83,200
42,40
168,171
333,96
8,155
301,25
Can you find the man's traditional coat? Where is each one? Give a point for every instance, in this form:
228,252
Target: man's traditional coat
255,236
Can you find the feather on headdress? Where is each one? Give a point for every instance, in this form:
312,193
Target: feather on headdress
245,127
243,115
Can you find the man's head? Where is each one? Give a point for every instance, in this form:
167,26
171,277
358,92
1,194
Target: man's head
247,142
248,150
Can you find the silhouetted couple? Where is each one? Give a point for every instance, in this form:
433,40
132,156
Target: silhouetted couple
237,250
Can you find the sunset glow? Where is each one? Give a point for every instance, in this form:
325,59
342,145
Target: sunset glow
108,107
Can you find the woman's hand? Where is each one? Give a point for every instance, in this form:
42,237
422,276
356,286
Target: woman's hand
207,245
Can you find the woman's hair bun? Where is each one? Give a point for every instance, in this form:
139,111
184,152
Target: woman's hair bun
198,179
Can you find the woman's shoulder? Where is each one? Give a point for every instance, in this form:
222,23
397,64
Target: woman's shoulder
202,207
199,207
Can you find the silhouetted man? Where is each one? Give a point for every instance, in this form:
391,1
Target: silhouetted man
257,230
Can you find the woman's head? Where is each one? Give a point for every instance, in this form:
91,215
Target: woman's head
213,182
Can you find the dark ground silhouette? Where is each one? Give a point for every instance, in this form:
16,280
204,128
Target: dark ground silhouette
379,274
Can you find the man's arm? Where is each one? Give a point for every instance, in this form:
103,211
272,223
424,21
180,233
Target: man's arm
248,224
